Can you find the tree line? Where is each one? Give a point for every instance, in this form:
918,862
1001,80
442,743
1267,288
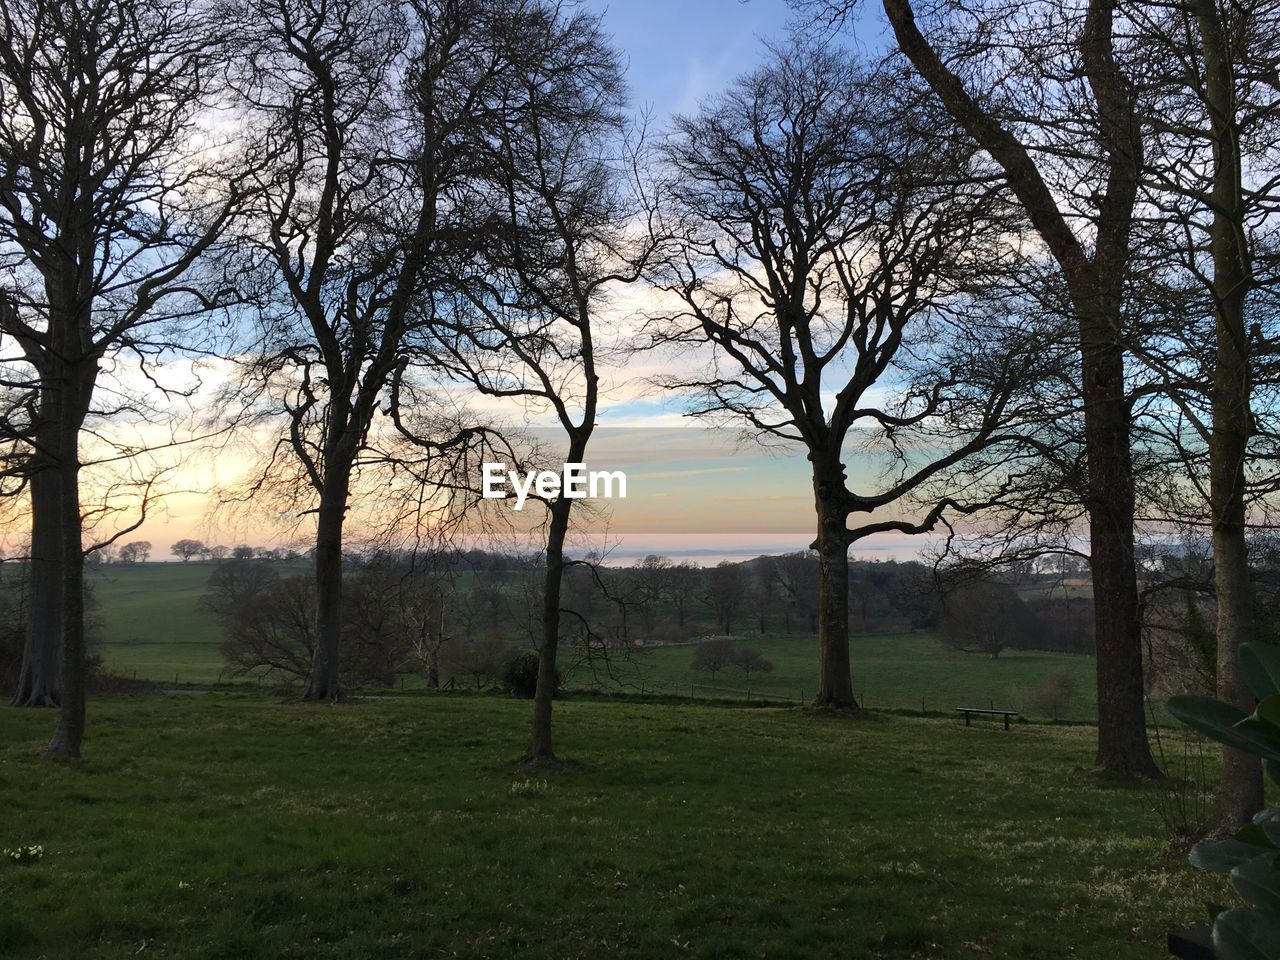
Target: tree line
1033,274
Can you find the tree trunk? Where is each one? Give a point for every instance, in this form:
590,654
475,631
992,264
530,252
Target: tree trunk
1240,789
324,683
38,680
69,734
433,669
1096,289
540,745
835,681
1123,749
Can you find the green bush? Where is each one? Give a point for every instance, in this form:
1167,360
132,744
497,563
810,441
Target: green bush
1251,858
520,675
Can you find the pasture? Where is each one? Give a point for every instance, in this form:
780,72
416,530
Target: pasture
233,825
152,627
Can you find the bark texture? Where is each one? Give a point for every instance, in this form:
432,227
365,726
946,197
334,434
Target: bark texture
38,681
1094,282
1240,791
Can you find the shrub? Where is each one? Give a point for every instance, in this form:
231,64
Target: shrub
520,675
1250,858
1054,692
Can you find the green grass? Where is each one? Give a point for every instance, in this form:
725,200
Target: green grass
899,671
230,826
151,624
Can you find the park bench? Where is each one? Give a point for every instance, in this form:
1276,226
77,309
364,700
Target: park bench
995,713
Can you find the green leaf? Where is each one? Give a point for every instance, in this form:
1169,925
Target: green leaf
1273,769
1268,710
1268,819
1213,909
1242,934
1213,718
1258,881
1254,833
1263,735
1223,856
1260,668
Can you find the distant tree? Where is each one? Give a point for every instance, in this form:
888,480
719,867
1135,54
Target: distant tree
982,616
267,623
481,659
713,655
186,549
684,581
651,578
749,660
13,619
726,587
232,585
427,598
219,552
797,578
136,551
243,552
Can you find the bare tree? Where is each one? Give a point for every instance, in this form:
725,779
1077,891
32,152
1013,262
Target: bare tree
830,233
1215,103
982,616
186,549
368,117
726,588
712,655
136,551
109,194
525,324
1048,93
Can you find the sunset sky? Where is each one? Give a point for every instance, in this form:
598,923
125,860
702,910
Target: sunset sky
692,493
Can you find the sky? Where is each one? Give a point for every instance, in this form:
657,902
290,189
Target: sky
726,503
679,51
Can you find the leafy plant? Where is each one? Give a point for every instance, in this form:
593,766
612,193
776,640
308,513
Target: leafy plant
23,856
520,676
1251,858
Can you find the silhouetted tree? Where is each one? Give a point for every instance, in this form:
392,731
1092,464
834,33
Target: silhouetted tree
109,194
828,230
713,655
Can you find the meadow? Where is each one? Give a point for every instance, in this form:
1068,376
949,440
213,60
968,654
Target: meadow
152,628
233,825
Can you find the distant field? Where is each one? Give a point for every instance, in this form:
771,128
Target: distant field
152,627
902,671
151,624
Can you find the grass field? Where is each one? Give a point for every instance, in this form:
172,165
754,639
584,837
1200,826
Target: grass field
152,628
151,622
902,671
234,826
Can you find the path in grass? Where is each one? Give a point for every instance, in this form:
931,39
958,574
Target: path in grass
227,826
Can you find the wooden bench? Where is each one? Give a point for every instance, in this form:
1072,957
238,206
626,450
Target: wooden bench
994,713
